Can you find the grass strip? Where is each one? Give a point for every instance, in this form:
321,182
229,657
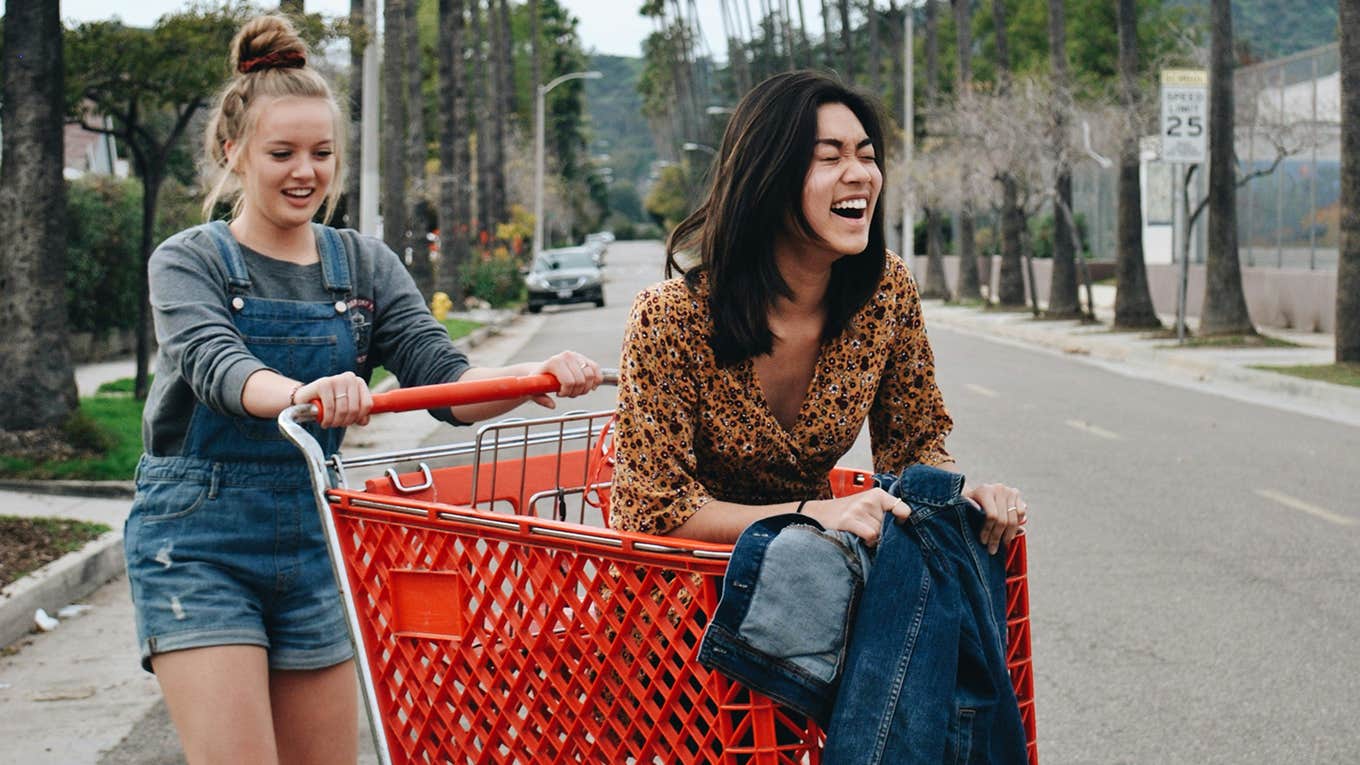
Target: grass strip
1345,373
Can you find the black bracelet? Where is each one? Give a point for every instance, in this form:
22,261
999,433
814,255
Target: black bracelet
800,505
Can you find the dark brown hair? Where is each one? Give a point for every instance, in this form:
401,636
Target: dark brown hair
757,193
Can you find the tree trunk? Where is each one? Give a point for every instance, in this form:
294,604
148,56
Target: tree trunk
969,285
453,153
1225,305
1133,308
1063,301
479,102
936,285
394,123
1011,290
38,387
806,56
1348,268
349,215
417,152
151,190
505,110
875,50
847,55
828,53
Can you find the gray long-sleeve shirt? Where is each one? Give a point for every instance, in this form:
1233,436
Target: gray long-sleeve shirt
203,358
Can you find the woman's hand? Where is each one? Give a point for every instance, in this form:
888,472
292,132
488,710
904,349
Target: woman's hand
1006,513
577,375
860,514
345,399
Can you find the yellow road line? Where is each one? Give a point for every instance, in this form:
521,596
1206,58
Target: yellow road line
1094,430
1305,507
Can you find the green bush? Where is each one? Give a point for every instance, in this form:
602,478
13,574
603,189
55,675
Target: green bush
102,263
103,247
493,275
1041,235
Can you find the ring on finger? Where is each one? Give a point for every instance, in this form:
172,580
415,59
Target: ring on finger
1012,509
339,396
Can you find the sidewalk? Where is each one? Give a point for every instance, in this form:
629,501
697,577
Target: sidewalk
1220,371
72,695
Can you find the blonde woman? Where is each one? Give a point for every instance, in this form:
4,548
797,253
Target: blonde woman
237,609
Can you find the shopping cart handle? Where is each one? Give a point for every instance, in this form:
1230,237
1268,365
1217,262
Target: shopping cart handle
466,392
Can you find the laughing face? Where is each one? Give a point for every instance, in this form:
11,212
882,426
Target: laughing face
287,165
841,189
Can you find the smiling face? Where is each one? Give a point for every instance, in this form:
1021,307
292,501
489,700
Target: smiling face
840,191
288,164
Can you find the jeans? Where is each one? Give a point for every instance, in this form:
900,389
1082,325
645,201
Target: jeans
898,653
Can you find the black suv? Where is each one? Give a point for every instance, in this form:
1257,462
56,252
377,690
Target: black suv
565,275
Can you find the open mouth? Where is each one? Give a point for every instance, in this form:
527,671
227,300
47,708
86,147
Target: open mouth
851,208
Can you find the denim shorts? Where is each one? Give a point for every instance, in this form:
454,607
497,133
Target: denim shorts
232,553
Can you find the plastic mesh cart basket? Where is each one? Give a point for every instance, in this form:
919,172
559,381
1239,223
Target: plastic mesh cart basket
497,620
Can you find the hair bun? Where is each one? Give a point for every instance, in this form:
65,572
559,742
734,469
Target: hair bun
267,42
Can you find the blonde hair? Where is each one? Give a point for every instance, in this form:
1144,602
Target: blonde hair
268,60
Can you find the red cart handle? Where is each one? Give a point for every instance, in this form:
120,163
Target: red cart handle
457,393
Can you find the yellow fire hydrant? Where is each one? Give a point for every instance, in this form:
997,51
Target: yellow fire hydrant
440,305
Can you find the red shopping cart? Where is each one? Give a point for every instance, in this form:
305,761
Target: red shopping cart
496,619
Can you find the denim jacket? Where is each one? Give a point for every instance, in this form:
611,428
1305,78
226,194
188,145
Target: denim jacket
898,653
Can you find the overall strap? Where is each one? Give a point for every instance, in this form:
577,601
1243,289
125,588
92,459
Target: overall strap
238,279
334,260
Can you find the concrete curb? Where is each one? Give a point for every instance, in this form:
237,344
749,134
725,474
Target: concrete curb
61,582
102,489
1195,365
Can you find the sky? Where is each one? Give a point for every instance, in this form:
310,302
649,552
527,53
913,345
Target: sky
606,26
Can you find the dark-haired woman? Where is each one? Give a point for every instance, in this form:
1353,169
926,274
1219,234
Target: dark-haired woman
744,381
237,609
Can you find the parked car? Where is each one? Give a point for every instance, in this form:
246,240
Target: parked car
563,276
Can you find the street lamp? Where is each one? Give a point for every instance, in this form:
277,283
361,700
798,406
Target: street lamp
538,149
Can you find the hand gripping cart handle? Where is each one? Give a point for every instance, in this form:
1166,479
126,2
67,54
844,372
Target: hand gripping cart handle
497,619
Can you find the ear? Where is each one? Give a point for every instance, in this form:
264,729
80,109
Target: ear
229,148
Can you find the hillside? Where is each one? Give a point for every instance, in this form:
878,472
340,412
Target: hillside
1266,29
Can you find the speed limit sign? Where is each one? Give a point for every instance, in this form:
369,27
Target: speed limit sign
1185,115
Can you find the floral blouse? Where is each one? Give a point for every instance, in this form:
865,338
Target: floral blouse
689,431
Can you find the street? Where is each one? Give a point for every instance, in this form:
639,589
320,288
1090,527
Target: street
1191,556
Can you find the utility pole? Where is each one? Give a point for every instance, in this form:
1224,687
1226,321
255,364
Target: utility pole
909,131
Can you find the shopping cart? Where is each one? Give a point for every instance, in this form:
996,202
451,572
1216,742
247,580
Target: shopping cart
496,619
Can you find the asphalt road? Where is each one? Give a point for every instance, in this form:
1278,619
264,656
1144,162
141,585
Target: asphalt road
1194,585
1192,558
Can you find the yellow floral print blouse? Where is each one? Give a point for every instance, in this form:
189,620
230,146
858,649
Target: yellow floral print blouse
689,431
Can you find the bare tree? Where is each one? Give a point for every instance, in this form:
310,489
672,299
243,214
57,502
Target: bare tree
417,152
1348,268
969,286
1063,302
1225,305
394,123
1133,308
453,150
39,385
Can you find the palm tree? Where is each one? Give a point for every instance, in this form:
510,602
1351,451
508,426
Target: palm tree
358,37
479,100
1348,268
1133,308
1011,290
936,284
505,107
1225,305
417,152
1063,302
394,122
847,55
969,285
39,386
453,151
875,53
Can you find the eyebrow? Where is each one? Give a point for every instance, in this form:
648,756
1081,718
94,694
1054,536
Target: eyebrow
839,144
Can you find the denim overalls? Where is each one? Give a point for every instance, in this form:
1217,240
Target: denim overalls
223,542
898,653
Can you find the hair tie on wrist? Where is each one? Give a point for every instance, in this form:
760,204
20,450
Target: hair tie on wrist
800,505
292,397
279,59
